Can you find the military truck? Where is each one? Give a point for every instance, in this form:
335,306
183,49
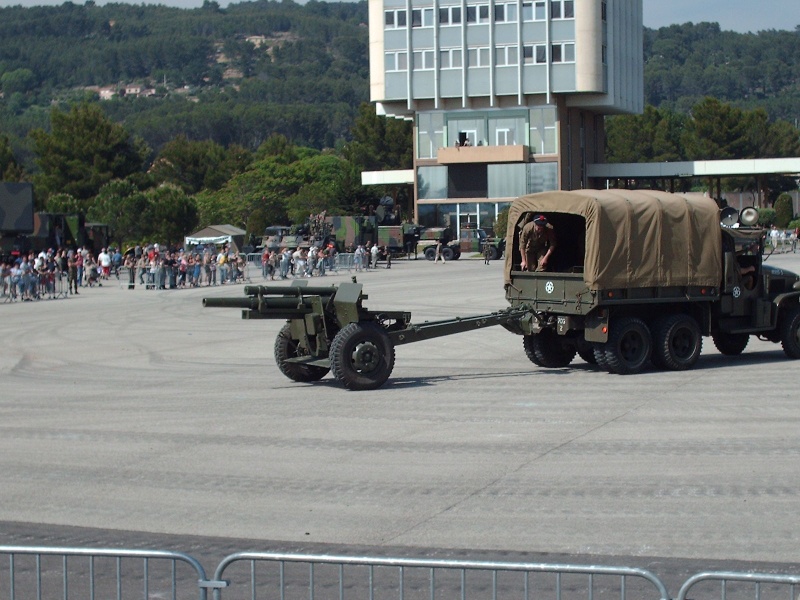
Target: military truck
474,239
641,276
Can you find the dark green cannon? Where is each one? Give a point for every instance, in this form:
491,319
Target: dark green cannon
329,329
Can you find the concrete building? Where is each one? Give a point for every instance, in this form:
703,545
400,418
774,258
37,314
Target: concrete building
507,97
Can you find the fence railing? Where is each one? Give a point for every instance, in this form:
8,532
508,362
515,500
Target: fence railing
49,572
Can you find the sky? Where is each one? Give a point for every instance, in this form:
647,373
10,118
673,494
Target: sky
732,15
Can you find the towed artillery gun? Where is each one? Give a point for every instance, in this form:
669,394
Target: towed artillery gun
637,278
329,329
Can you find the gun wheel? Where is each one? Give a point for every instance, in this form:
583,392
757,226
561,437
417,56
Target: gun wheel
286,348
362,356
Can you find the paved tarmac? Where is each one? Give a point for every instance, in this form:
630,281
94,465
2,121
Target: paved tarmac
139,417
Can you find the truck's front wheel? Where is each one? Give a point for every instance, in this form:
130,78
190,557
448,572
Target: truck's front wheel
629,346
677,343
790,333
730,344
362,356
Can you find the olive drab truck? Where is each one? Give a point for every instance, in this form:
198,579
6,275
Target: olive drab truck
641,276
636,277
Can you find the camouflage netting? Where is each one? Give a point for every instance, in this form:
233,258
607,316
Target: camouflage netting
634,238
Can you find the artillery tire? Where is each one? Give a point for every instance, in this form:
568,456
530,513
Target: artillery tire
430,253
551,351
730,344
527,344
790,332
449,254
362,356
586,351
285,348
629,346
677,343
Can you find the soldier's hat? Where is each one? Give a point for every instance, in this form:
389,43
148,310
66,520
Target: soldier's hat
540,220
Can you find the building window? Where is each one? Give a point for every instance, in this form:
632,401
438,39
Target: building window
423,60
478,57
505,56
534,54
562,9
603,12
478,13
422,17
396,61
450,58
562,53
507,130
395,19
450,15
543,130
505,13
430,134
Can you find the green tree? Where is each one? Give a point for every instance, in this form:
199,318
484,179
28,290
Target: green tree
83,151
784,211
380,143
716,131
10,170
63,203
18,81
170,214
120,204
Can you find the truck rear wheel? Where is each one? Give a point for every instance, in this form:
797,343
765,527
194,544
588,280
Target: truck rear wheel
430,252
448,254
362,356
677,342
599,351
550,350
629,346
790,333
494,253
731,344
586,351
527,344
285,348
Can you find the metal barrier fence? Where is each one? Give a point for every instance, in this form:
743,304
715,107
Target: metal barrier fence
759,586
36,286
48,572
312,576
43,572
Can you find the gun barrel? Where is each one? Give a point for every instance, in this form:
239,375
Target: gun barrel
247,302
282,290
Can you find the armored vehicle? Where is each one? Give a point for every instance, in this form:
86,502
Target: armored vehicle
642,276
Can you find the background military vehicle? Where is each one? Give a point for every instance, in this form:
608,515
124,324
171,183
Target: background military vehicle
474,239
642,276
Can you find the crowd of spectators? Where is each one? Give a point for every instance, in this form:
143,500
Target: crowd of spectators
33,276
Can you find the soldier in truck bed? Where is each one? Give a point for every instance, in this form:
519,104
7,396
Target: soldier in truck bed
537,240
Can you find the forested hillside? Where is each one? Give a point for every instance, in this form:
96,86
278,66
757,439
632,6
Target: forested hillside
233,76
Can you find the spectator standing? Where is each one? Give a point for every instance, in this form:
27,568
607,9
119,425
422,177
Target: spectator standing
222,265
375,252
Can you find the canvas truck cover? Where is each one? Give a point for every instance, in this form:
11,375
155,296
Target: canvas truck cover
634,238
